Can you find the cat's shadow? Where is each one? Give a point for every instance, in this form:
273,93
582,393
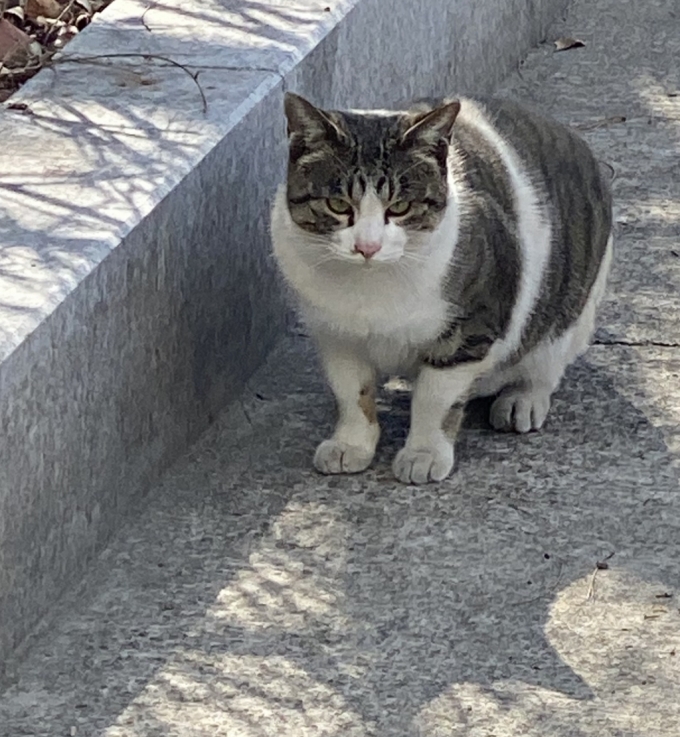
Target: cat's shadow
447,585
394,403
359,606
561,499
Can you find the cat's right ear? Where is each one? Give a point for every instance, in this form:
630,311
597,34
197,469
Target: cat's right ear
306,120
431,127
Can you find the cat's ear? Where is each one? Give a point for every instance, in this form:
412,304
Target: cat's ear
306,120
429,128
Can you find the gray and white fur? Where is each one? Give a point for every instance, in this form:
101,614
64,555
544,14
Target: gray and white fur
464,245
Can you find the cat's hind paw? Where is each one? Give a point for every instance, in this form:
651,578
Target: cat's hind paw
420,465
333,456
519,410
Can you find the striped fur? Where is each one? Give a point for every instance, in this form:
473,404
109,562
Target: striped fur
464,244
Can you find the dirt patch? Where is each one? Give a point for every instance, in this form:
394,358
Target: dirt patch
32,31
367,404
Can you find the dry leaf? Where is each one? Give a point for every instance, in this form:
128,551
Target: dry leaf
13,43
35,49
81,21
44,8
17,12
37,28
64,35
562,44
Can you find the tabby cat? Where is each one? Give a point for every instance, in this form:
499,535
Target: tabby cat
464,244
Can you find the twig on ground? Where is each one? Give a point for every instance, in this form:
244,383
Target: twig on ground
149,7
166,59
67,8
21,71
611,168
636,343
601,565
47,61
603,123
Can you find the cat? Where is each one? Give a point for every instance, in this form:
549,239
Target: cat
463,244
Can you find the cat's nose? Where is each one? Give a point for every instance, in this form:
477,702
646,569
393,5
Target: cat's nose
367,249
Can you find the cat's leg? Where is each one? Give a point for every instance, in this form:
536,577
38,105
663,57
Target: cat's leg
524,389
352,446
429,449
524,401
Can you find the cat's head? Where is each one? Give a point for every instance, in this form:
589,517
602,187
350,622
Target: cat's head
367,185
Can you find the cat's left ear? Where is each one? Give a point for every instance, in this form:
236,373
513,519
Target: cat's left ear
429,128
306,120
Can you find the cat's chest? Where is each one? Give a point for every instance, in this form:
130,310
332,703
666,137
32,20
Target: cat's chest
389,321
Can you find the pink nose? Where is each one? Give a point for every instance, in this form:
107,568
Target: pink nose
367,250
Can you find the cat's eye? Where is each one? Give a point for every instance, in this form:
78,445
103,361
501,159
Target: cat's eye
399,208
339,206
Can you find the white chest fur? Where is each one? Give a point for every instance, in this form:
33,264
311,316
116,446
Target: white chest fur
387,316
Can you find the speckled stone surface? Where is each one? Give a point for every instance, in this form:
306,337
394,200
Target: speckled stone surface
136,289
534,593
252,597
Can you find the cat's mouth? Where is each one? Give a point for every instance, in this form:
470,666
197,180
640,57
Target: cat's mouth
374,260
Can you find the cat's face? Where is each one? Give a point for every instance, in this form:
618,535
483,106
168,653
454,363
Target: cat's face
365,187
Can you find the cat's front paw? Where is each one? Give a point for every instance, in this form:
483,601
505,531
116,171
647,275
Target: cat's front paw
333,456
420,465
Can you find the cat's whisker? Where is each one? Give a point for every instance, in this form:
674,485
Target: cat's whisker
417,257
408,261
315,240
325,258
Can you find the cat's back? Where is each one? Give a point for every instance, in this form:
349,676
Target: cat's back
552,152
569,184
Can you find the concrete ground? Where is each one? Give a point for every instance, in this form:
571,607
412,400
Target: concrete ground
535,593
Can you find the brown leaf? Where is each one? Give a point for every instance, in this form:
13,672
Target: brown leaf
64,35
564,43
44,8
17,11
81,21
13,42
